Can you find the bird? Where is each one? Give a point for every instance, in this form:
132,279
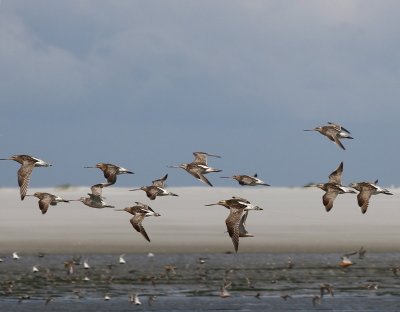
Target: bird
111,171
366,190
86,265
198,168
247,180
70,266
325,288
95,199
156,189
235,222
224,293
333,132
139,212
345,261
316,300
24,173
134,299
15,256
332,188
286,297
121,259
47,199
35,269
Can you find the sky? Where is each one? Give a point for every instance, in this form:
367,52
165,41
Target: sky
143,84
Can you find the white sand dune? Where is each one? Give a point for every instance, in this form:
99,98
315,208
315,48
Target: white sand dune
293,220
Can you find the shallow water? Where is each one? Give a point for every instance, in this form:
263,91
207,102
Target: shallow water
196,287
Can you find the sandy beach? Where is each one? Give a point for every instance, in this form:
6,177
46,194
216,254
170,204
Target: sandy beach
293,220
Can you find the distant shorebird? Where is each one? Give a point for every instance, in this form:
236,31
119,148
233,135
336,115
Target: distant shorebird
121,259
95,199
198,168
134,299
24,173
139,212
235,222
333,132
15,256
47,199
156,189
333,188
345,261
247,180
224,293
326,289
111,171
366,190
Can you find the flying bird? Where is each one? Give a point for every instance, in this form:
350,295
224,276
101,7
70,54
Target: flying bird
333,132
47,199
198,168
95,199
111,171
366,190
332,188
247,180
139,212
235,222
156,189
24,173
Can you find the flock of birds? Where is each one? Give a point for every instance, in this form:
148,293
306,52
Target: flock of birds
238,207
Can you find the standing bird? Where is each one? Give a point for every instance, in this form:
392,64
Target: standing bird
247,180
111,171
156,189
333,132
235,222
139,212
47,199
366,190
198,168
95,199
24,173
333,188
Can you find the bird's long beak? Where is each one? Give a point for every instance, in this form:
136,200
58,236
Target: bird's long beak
226,177
5,159
89,167
309,130
119,210
137,189
212,204
173,166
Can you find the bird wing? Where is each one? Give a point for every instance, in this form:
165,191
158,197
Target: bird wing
336,176
242,225
160,182
110,173
44,203
363,199
197,173
136,222
232,224
24,175
331,132
152,192
328,199
200,158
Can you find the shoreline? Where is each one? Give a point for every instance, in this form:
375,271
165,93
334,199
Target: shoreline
293,220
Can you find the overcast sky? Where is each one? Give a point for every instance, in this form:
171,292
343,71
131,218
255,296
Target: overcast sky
143,84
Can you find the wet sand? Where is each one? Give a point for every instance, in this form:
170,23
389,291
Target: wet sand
293,220
195,286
